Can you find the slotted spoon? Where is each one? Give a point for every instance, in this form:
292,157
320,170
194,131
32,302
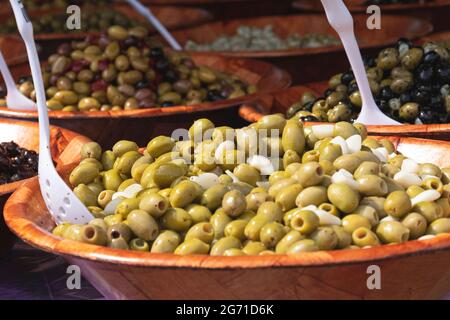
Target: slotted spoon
61,202
341,20
14,99
147,13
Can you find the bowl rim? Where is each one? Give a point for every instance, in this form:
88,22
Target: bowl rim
304,5
284,82
35,235
252,111
428,28
203,17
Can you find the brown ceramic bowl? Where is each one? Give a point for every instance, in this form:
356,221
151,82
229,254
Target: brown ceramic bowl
172,17
436,37
279,103
302,62
434,11
413,270
66,147
231,9
139,125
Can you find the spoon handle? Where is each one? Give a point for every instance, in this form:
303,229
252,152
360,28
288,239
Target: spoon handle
26,31
341,20
147,13
7,77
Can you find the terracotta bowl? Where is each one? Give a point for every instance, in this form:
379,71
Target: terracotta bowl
66,147
414,270
231,9
172,17
13,50
139,125
435,11
279,103
436,37
302,62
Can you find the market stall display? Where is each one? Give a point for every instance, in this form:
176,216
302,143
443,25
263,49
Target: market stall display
300,61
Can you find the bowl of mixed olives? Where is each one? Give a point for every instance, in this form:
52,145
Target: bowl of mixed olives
125,79
410,84
274,200
293,42
19,160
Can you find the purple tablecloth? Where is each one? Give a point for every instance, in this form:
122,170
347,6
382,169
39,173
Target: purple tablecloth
31,274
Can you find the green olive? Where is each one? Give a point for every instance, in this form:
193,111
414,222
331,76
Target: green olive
212,197
344,238
119,230
368,212
247,174
108,158
304,221
159,146
184,193
91,150
372,185
325,238
236,229
397,204
352,222
392,232
312,196
271,234
192,246
293,137
287,241
123,146
363,237
83,174
176,219
126,206
305,245
253,248
166,242
86,195
154,204
416,224
348,162
224,244
439,226
255,199
112,179
309,174
429,210
343,197
139,245
330,152
198,213
233,203
219,221
203,231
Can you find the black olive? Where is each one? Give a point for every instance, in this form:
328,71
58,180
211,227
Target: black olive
383,105
156,53
308,106
167,104
352,87
402,41
427,116
431,57
405,97
130,42
386,93
309,119
425,74
171,76
328,92
444,74
141,84
347,77
162,64
369,62
421,96
2,92
213,95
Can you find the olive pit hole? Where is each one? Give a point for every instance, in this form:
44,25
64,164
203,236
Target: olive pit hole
89,232
361,234
115,234
319,171
207,228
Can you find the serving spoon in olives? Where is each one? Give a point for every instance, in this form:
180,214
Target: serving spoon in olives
341,20
147,13
61,202
14,98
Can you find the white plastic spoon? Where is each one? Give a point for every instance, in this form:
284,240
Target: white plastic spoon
14,99
61,202
147,13
341,20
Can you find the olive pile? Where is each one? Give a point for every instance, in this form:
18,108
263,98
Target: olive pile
333,188
248,38
16,163
91,21
125,69
410,84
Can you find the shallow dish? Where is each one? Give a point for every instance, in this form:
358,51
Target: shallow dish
414,270
279,103
301,62
66,146
139,125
